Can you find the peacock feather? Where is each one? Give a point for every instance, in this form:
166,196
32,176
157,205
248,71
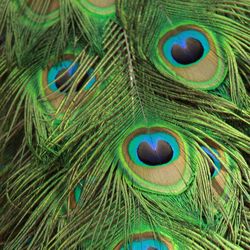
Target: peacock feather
124,124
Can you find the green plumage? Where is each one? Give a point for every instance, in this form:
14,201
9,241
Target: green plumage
83,147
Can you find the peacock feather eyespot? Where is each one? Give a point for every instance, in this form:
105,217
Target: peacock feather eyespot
191,54
60,77
67,77
99,7
146,241
156,159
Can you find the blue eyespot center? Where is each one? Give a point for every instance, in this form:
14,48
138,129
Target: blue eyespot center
61,77
216,163
153,149
186,48
146,244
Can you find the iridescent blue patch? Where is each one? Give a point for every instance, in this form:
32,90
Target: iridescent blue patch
213,157
146,244
71,68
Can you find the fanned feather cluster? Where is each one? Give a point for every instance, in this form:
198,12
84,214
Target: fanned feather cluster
124,124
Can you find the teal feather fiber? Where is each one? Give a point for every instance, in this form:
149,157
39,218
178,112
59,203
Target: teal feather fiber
125,147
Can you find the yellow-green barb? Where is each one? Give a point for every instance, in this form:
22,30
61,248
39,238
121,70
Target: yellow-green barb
124,124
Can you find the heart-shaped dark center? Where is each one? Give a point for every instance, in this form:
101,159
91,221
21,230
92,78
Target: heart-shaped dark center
191,52
162,154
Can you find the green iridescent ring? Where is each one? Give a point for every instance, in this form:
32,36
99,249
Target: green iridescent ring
35,14
103,8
